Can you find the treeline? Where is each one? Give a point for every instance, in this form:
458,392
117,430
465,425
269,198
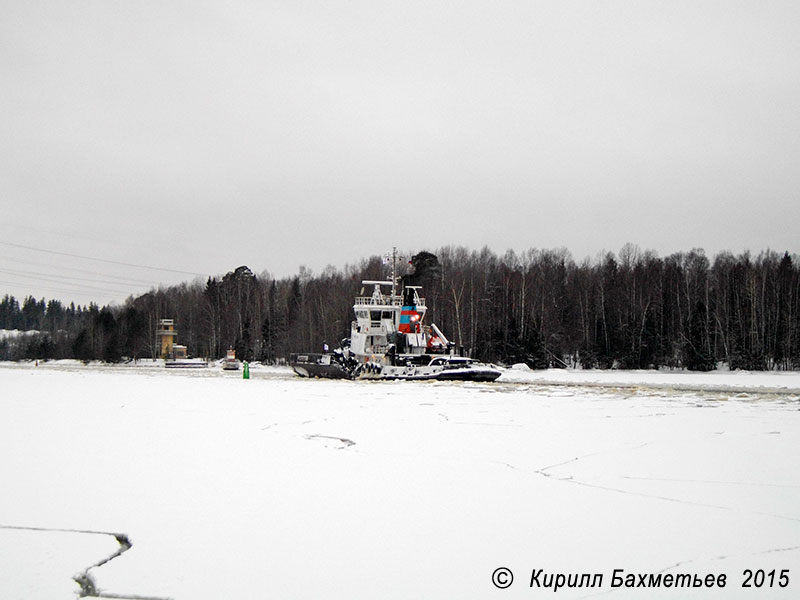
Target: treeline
632,309
48,326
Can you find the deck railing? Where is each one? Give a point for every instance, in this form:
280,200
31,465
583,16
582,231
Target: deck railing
385,301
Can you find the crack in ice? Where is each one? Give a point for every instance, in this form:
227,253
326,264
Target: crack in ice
347,443
84,579
571,479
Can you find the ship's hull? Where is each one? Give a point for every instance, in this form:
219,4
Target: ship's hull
318,365
433,374
326,366
324,371
468,375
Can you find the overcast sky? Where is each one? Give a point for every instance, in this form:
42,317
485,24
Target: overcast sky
199,136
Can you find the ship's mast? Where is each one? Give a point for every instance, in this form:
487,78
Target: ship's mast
394,272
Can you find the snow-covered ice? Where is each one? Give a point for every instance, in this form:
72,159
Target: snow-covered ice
281,487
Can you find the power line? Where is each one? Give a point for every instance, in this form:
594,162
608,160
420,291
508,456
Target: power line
90,272
49,233
67,279
116,293
113,262
75,285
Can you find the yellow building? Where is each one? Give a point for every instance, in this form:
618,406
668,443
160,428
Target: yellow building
167,333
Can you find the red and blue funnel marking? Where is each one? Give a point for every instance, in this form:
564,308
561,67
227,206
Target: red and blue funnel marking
409,317
409,320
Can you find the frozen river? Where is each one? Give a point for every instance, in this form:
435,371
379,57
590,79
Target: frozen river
280,487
